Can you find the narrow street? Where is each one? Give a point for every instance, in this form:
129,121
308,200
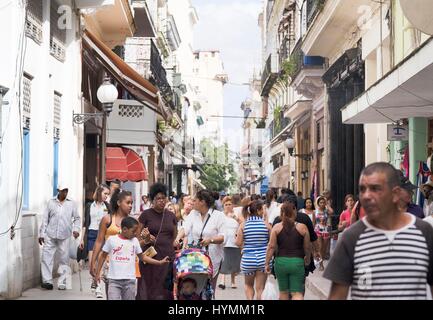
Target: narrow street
240,130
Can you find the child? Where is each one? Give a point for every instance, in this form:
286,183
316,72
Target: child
123,249
188,288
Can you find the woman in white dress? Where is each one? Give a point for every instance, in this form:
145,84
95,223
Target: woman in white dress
205,226
232,253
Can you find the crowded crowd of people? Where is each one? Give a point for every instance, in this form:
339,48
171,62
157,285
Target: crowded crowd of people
250,236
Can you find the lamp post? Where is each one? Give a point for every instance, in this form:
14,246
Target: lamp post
290,145
107,94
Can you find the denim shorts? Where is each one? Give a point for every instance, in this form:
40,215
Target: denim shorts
91,239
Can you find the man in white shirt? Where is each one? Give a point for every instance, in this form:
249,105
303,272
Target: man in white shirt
60,220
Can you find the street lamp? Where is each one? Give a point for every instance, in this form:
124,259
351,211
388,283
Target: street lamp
290,145
107,94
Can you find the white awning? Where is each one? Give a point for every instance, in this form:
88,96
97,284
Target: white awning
405,92
280,178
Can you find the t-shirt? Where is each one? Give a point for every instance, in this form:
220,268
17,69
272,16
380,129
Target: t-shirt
97,212
380,264
415,210
230,229
122,254
345,216
273,212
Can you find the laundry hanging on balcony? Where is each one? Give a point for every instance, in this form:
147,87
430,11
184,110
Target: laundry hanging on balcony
125,165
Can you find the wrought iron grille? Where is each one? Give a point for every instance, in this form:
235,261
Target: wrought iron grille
130,111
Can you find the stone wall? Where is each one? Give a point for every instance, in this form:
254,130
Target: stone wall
30,251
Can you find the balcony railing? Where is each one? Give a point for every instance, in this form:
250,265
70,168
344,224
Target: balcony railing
159,76
270,74
276,127
313,8
298,61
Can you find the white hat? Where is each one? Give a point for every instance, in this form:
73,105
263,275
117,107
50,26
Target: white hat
62,186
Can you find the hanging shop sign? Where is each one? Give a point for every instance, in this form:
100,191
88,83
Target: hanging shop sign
398,132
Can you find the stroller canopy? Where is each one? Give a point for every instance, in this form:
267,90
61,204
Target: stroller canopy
192,261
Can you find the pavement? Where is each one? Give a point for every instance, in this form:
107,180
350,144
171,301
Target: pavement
78,292
317,285
84,293
239,294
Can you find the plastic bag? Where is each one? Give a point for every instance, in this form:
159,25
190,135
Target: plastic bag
73,248
270,292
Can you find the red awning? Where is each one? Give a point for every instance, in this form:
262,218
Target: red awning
125,165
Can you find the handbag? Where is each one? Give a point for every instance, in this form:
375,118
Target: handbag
151,251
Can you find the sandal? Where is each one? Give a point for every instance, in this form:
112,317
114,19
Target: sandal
222,286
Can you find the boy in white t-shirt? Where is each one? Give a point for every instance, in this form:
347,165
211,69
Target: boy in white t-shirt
122,249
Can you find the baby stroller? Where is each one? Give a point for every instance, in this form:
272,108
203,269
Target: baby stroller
194,263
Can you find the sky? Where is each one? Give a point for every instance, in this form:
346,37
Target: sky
231,26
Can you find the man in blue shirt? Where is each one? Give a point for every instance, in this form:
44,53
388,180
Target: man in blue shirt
407,196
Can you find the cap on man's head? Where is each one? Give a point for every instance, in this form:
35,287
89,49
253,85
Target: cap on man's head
62,186
406,184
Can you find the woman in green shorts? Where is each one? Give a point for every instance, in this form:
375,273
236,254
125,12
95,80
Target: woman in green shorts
291,242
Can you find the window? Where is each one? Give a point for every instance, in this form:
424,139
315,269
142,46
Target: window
27,99
34,19
318,133
57,34
26,168
55,166
57,114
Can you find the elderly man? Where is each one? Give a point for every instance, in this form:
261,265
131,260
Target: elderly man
387,254
59,222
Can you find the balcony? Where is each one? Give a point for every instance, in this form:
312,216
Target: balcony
328,23
173,37
270,74
143,19
144,57
313,8
112,23
305,72
159,76
278,126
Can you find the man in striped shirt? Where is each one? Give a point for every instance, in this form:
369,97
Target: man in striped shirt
389,253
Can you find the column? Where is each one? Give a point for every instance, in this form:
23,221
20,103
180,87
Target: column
418,128
151,166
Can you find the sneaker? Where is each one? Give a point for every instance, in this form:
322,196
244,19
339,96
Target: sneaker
47,286
98,293
93,286
61,286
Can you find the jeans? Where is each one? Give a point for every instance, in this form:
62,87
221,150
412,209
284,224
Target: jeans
123,289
